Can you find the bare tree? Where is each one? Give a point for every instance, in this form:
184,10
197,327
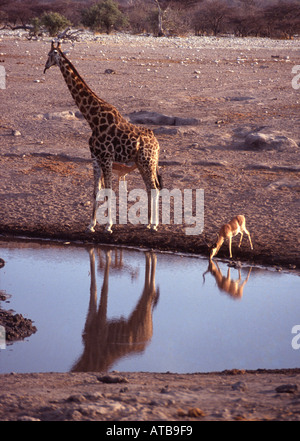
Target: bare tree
160,19
210,17
283,19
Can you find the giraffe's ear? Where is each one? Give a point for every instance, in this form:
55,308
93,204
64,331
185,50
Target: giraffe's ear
52,44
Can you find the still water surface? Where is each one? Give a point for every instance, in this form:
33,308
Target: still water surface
103,308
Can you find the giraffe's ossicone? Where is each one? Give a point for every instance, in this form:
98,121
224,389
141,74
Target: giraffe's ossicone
113,138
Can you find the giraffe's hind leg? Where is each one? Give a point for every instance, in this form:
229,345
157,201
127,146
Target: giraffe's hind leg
97,187
149,177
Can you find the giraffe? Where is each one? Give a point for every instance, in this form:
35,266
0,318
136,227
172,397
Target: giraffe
113,139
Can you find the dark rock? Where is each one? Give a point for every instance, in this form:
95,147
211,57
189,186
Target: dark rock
240,385
259,141
287,388
154,118
16,326
112,379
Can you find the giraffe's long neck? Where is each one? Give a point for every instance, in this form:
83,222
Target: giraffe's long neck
87,101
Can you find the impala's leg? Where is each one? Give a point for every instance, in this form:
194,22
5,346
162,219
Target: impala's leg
241,238
249,237
230,254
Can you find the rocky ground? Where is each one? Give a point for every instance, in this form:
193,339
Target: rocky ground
230,395
233,132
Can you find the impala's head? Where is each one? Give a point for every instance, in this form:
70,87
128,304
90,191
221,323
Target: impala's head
213,251
214,248
53,56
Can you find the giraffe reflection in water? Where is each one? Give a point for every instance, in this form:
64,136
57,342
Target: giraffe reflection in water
226,284
107,340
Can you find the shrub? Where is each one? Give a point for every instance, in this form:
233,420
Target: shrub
105,16
54,22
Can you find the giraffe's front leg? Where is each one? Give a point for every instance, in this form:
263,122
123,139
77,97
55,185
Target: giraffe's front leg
153,209
107,174
97,187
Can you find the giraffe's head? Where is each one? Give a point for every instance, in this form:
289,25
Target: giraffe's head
53,56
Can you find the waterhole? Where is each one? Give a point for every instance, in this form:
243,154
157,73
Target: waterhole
100,309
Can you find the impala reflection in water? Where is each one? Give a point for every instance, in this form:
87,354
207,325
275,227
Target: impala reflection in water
233,287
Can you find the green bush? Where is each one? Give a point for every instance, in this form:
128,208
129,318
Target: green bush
104,16
36,25
54,22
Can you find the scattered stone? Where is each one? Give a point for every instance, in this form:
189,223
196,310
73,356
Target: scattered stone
76,398
287,388
109,71
107,408
195,412
124,389
16,133
79,115
165,390
65,114
240,385
112,379
28,418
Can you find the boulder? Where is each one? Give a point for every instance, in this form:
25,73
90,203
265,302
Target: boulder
65,114
261,140
154,118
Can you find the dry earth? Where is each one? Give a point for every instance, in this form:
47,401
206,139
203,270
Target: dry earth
231,395
233,88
